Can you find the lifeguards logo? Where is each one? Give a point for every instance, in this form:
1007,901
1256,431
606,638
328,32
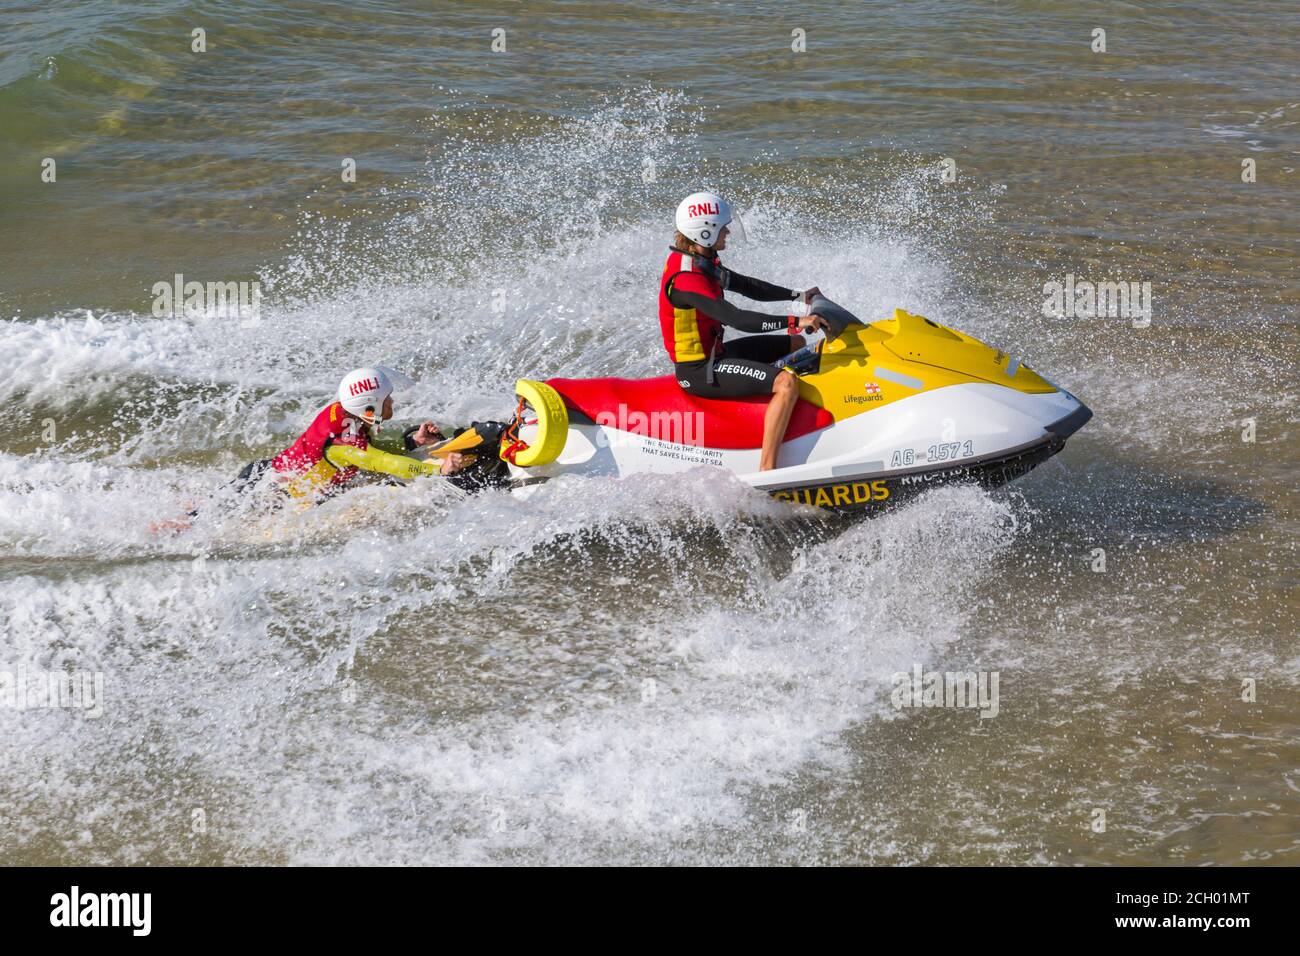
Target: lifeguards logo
873,395
365,385
837,496
702,209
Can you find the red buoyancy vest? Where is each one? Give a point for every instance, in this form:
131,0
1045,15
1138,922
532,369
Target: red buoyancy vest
307,454
688,336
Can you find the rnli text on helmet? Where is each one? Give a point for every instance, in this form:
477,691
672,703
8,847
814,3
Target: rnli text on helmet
363,386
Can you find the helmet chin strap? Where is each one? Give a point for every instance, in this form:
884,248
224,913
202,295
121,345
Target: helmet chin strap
372,422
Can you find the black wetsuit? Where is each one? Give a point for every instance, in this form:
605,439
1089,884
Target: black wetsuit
744,366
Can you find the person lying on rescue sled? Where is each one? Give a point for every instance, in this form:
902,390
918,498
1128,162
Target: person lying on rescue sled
340,444
692,312
338,449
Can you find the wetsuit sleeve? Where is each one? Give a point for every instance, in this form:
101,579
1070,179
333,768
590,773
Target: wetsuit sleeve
723,311
374,459
758,290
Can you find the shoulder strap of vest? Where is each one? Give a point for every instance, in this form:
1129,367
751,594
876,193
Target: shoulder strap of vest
709,267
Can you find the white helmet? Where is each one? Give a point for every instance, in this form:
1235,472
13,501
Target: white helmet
363,392
701,216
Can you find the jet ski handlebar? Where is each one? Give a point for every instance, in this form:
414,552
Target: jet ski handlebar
837,319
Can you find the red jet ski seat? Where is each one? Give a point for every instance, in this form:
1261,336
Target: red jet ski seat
659,408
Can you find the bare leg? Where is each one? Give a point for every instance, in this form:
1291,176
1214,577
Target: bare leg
170,525
784,394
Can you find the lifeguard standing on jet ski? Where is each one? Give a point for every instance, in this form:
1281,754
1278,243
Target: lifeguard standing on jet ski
693,311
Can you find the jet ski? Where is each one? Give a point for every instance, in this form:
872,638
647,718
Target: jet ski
885,410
